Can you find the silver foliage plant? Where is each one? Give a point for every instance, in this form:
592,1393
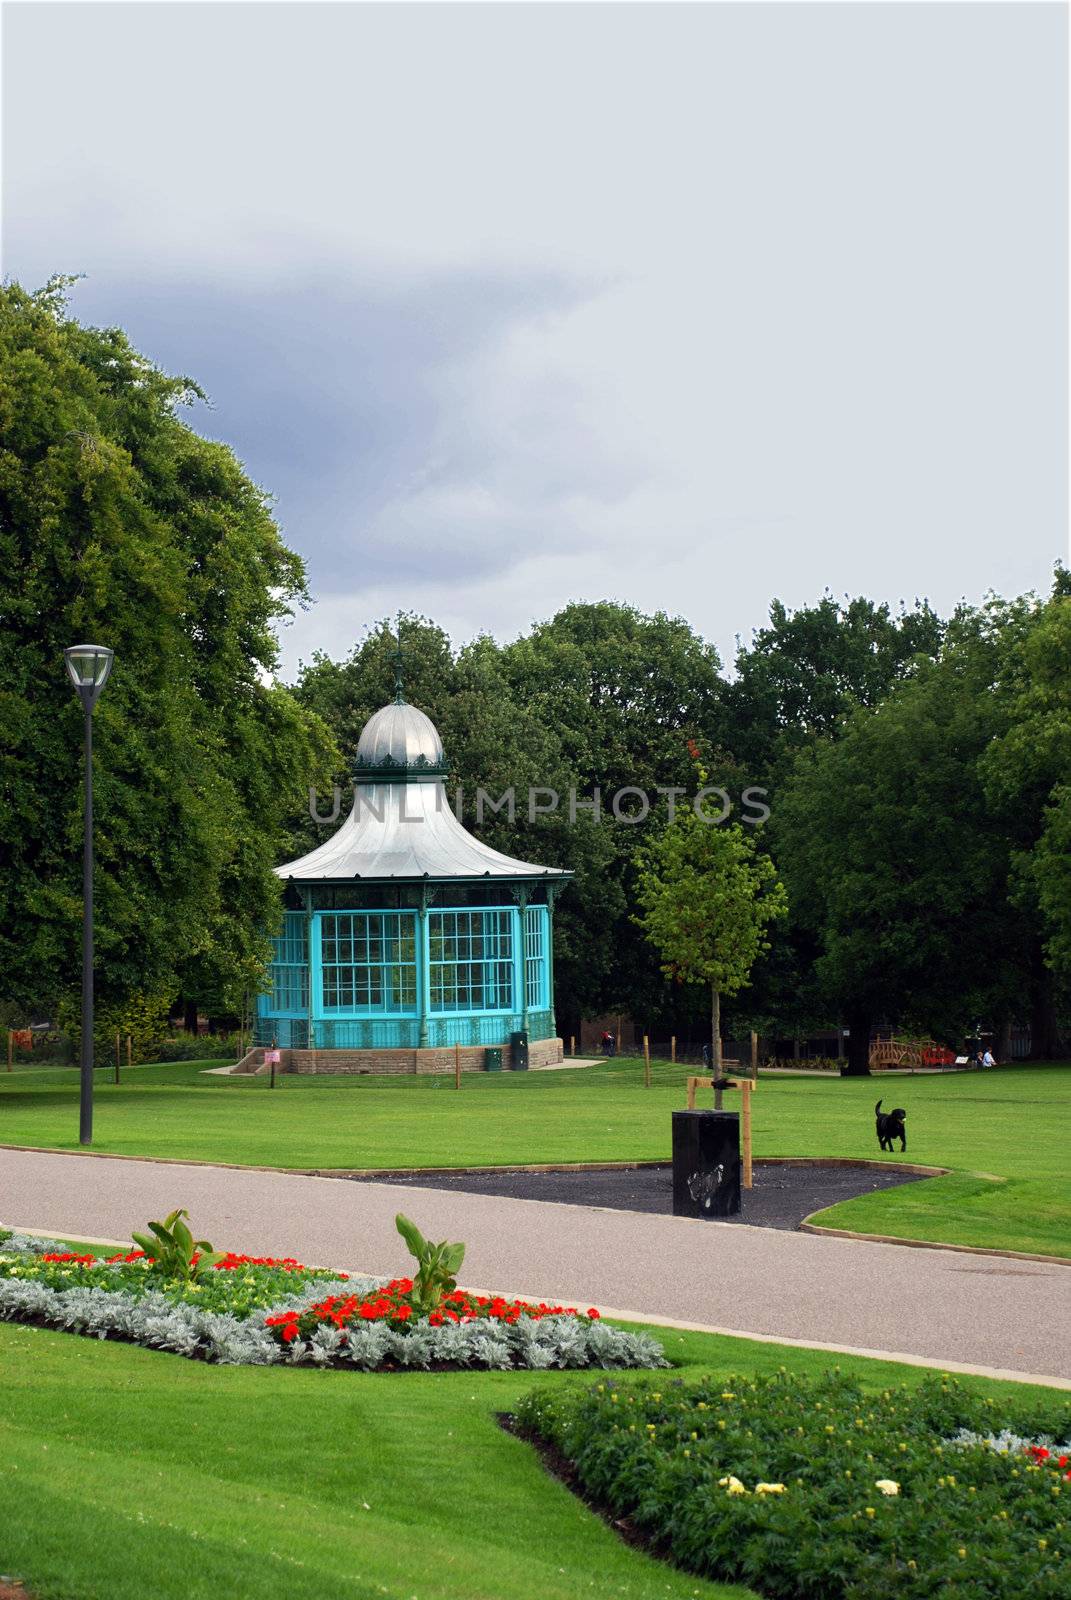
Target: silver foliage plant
187,1330
1007,1443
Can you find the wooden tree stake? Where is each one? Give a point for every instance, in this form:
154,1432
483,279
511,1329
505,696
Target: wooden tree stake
10,1048
646,1062
745,1090
673,1048
457,1066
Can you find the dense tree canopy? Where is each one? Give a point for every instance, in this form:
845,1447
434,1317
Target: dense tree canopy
890,854
121,525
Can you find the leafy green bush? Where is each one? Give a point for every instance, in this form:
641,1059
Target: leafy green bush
198,1047
820,1490
437,1266
174,1250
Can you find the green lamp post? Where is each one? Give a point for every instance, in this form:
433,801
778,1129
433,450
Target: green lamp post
88,666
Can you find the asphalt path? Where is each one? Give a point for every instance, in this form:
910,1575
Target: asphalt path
952,1310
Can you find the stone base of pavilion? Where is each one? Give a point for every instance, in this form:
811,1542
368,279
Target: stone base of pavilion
441,1059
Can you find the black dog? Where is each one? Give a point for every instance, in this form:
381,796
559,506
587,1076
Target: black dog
890,1127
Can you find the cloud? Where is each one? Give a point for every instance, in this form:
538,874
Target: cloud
688,306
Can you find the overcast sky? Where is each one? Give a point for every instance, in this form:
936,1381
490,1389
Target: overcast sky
509,305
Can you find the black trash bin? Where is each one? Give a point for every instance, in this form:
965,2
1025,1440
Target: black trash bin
706,1163
518,1052
492,1058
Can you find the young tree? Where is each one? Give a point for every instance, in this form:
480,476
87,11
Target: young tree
707,899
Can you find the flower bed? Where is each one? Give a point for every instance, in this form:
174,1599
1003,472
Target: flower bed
819,1490
263,1311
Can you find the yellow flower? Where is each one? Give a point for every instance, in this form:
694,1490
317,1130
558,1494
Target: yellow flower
962,1552
769,1488
870,1511
731,1485
1043,1544
887,1485
830,1428
728,1395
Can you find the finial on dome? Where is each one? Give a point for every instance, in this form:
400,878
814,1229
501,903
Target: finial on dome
399,661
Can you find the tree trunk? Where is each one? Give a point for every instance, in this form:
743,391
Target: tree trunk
1004,1042
1044,1030
715,1041
189,1012
796,1047
858,1046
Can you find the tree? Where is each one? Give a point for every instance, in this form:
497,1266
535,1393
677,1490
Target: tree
119,523
802,675
893,859
1027,776
707,898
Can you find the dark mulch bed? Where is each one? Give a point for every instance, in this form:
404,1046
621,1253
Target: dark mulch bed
782,1197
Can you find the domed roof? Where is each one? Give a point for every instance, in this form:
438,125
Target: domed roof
399,735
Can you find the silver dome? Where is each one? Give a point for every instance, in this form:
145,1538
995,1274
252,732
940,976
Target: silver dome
399,735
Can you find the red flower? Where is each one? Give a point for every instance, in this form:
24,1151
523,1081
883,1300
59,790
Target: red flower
593,1314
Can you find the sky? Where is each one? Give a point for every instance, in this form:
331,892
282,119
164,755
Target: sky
688,306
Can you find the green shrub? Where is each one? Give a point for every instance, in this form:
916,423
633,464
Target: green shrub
437,1266
174,1250
820,1490
198,1047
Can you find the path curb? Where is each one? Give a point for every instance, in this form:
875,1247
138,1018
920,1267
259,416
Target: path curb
807,1226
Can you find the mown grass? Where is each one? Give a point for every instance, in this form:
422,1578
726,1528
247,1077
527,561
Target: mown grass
126,1473
1008,1125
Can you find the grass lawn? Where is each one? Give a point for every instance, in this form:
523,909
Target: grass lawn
1003,1131
126,1473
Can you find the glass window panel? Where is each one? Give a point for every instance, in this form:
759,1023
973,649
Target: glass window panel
471,960
368,962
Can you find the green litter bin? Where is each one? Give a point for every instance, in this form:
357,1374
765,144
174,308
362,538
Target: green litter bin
492,1059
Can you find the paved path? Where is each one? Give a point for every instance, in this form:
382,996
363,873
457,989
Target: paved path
943,1307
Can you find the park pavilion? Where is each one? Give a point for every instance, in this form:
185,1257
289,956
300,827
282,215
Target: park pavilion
404,936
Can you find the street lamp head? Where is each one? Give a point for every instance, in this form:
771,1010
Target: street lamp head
88,666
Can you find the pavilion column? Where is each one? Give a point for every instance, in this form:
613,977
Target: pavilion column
310,978
551,891
423,972
522,897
